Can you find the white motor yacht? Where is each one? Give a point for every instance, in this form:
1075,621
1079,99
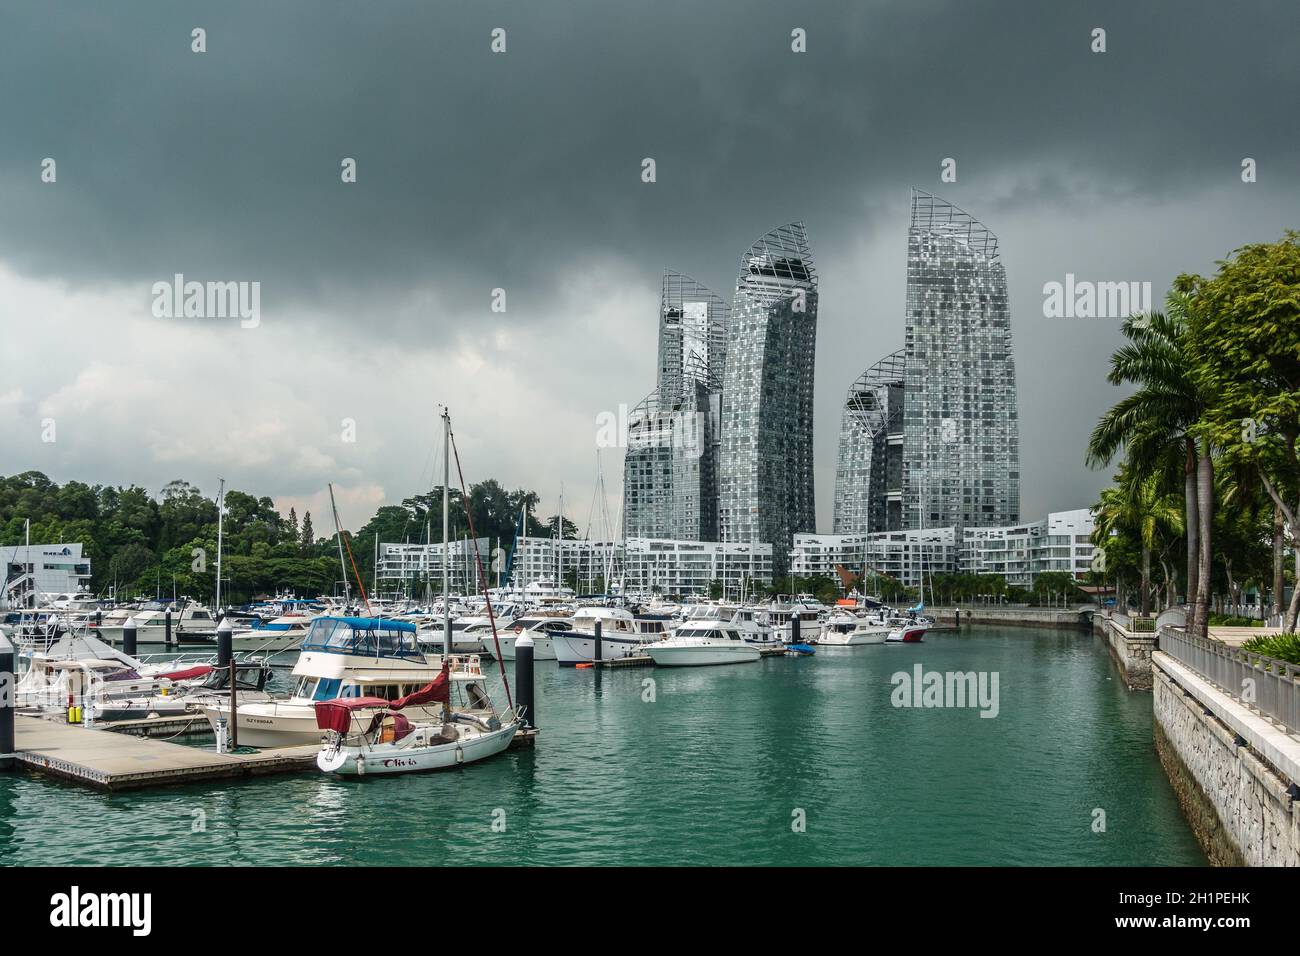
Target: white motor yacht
539,627
620,636
701,642
846,629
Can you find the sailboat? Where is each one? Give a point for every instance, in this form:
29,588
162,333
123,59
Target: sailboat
359,740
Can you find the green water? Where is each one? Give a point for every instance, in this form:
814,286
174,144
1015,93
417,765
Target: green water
712,771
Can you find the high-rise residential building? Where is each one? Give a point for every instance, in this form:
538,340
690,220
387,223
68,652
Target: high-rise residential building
961,452
766,484
670,473
869,475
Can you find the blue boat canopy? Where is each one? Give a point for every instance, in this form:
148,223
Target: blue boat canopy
372,623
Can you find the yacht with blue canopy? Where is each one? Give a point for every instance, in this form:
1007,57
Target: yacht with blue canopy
341,657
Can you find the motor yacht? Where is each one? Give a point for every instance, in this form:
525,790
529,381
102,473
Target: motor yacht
702,642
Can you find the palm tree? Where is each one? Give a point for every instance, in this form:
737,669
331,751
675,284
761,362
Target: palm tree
1156,422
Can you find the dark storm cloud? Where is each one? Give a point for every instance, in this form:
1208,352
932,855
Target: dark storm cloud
522,171
480,170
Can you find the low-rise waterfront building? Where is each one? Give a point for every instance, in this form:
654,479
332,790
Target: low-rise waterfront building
1062,541
667,566
31,571
417,568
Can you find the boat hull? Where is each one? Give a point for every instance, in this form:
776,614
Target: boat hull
286,725
355,761
542,648
702,655
854,638
573,649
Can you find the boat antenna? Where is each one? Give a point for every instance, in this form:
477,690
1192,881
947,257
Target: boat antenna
478,561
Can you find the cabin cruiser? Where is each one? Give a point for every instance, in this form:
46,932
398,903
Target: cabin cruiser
843,628
544,591
367,735
907,630
751,622
809,611
539,627
620,636
192,622
341,657
470,633
703,641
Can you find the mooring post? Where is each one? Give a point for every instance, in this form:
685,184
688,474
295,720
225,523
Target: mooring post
128,637
958,618
8,701
794,628
234,710
524,679
167,627
225,643
99,619
595,654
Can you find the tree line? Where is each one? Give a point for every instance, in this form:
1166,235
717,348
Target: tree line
1205,499
140,545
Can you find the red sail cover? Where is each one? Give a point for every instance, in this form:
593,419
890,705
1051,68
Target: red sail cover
189,672
336,715
438,690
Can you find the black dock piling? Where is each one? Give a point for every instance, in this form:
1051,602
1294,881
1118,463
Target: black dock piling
524,679
8,701
128,637
225,643
595,655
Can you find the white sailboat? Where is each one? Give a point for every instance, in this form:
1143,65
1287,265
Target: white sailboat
359,740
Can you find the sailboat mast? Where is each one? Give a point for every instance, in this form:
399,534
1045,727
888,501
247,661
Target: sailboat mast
446,533
221,507
338,532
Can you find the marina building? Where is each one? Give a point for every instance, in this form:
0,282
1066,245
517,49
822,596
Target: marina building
660,566
39,569
765,488
961,452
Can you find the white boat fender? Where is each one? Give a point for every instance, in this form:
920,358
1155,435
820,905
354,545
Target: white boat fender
460,754
361,765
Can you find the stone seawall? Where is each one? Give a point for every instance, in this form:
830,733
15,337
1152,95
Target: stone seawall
1131,652
1239,805
1013,616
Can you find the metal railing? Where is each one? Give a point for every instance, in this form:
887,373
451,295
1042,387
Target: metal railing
1263,684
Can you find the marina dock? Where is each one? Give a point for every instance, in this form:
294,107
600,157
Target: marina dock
115,760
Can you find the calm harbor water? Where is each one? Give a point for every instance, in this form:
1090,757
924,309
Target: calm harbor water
711,772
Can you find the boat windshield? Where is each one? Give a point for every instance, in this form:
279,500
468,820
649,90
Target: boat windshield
365,637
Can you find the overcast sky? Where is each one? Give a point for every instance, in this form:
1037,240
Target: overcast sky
522,171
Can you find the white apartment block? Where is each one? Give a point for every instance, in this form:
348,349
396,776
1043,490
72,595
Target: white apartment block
1060,542
413,568
672,567
901,555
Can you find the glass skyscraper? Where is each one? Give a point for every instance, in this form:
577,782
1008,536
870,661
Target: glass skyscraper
869,476
961,448
670,473
766,482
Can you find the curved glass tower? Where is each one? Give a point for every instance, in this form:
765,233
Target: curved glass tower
961,449
766,483
670,473
868,478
